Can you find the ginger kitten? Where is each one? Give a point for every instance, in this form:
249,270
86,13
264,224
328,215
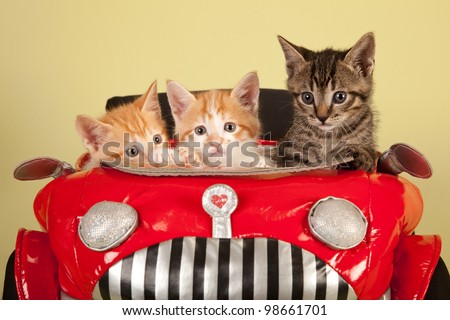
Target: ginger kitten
133,134
220,126
332,97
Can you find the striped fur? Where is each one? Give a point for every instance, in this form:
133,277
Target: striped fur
133,124
328,127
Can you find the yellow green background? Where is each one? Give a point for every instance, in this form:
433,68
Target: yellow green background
59,59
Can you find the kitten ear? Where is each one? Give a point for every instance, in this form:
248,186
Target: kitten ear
362,55
179,98
247,91
93,132
149,102
293,57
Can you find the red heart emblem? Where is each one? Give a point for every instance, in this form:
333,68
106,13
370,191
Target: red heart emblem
219,200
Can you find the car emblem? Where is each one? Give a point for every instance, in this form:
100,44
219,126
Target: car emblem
219,201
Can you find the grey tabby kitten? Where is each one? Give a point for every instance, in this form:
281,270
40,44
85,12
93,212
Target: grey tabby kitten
332,96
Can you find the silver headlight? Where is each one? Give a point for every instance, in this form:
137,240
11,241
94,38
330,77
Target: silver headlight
107,224
337,222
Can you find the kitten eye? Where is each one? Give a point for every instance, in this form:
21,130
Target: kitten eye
157,139
230,127
200,130
307,98
132,151
339,97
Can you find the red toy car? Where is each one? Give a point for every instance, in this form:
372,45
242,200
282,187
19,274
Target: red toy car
322,234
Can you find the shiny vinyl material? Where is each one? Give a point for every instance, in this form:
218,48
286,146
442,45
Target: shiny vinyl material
270,206
205,268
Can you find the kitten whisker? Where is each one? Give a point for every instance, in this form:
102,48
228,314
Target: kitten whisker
346,125
288,104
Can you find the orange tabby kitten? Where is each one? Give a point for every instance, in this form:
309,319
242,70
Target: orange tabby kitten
134,133
218,123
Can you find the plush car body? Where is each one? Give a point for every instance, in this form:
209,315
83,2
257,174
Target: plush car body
172,252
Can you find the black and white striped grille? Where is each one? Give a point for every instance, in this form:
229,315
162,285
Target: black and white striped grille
208,268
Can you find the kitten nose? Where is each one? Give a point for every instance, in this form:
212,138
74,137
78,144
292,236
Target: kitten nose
214,148
322,113
322,118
